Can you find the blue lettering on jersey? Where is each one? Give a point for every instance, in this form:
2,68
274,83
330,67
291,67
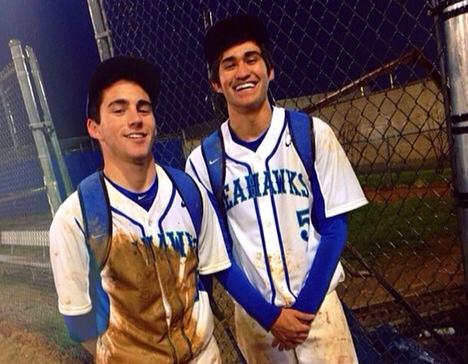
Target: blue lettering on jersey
292,188
227,201
268,188
191,241
177,240
279,178
252,185
277,181
162,241
238,192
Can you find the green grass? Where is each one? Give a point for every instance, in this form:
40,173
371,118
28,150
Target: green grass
400,224
408,178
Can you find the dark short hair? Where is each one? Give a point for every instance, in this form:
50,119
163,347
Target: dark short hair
232,31
112,70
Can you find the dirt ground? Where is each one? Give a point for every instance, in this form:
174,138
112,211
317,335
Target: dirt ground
18,346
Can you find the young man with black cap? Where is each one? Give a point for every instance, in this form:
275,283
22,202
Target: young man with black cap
132,294
285,195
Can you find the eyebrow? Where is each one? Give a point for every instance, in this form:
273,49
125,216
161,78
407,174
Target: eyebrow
246,54
144,103
123,102
118,102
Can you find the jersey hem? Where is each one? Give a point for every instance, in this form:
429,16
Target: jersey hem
346,208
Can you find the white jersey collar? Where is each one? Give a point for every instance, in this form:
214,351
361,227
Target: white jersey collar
237,151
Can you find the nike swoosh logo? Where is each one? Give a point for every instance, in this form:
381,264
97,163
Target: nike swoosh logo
141,197
213,161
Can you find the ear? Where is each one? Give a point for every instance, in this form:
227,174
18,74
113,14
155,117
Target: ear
93,129
216,86
271,76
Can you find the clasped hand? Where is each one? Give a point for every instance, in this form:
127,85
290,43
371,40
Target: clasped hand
291,328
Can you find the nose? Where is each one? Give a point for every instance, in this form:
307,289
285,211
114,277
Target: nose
243,70
134,118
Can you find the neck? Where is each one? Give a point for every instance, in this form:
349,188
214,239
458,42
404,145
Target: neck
136,177
250,124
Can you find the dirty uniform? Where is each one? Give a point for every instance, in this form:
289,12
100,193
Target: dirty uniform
269,199
156,310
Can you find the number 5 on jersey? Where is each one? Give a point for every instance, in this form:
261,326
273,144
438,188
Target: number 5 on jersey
303,220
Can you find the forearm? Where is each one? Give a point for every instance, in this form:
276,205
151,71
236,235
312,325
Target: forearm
239,287
332,242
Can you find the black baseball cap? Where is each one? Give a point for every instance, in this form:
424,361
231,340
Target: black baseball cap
231,31
108,72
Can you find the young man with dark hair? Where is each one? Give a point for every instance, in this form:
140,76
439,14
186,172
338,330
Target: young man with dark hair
131,248
133,296
285,186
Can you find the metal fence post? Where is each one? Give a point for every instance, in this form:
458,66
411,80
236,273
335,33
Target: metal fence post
101,30
36,126
49,125
455,25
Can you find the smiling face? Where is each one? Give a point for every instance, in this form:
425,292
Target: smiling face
126,130
244,78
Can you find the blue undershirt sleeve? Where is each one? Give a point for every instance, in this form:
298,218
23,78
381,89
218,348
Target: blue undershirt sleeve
234,280
236,283
81,327
333,233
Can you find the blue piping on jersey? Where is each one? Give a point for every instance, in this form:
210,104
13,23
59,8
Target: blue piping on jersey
260,226
166,211
118,212
195,171
80,227
275,214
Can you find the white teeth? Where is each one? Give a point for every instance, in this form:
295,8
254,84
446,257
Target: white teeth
135,135
245,86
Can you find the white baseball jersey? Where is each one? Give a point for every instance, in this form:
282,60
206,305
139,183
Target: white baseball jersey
157,312
268,196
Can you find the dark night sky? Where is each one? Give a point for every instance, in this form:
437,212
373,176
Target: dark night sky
61,34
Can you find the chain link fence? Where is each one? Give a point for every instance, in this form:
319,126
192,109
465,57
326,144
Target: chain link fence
369,69
24,209
31,188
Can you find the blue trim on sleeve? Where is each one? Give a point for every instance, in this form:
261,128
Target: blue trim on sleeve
333,232
236,283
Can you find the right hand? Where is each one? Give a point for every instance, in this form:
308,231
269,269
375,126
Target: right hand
291,328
